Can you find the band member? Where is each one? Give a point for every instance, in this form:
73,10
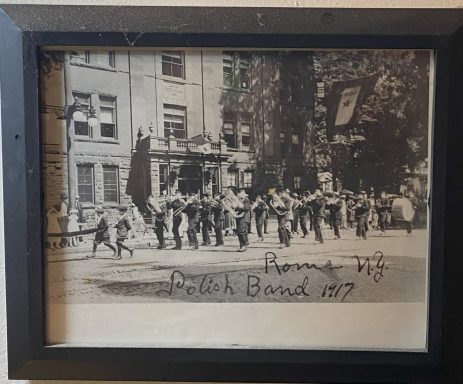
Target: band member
318,208
159,215
414,200
335,206
350,211
295,208
260,209
361,212
218,218
243,221
304,213
177,203
206,218
367,202
192,213
102,234
343,212
122,231
266,215
283,203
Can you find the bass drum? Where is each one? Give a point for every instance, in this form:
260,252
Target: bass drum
402,209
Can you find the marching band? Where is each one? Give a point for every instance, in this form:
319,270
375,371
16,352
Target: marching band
227,210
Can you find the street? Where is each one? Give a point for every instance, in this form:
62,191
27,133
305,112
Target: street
389,268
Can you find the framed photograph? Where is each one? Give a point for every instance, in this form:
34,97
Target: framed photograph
232,194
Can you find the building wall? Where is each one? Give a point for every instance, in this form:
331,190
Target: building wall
142,92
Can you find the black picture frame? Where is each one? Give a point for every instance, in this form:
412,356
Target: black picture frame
24,29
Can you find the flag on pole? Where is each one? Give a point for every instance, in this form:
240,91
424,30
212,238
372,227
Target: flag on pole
344,99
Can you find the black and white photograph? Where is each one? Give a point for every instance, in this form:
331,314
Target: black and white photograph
235,193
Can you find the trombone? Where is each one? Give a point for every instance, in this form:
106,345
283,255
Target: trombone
277,204
180,209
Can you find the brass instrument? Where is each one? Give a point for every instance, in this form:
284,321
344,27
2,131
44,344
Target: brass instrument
277,204
230,203
154,206
179,210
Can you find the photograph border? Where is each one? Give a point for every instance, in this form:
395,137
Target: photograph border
27,28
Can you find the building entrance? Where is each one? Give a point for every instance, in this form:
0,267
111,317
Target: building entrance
190,179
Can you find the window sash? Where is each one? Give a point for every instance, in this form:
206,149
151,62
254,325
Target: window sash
85,183
110,184
172,64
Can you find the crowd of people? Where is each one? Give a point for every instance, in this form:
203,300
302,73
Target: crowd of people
226,214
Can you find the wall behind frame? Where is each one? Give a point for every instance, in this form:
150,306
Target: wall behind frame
255,3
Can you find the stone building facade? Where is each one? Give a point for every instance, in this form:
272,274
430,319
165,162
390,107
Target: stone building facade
193,120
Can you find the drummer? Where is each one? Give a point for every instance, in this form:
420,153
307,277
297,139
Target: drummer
414,200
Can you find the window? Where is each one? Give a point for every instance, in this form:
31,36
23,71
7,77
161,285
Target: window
110,184
172,64
245,70
283,143
297,182
232,179
108,117
247,179
82,57
174,121
236,69
85,183
81,127
296,143
101,58
229,129
246,131
228,69
163,177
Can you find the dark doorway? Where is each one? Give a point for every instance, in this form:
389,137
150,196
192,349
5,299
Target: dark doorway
189,179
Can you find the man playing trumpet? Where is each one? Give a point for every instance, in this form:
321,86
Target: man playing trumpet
282,205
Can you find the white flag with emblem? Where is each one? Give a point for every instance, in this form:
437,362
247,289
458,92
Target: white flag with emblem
346,105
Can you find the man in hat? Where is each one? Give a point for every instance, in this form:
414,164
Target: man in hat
343,212
382,207
415,204
361,212
260,209
192,213
177,204
102,233
335,206
296,206
282,218
304,213
243,221
122,232
206,218
218,217
318,208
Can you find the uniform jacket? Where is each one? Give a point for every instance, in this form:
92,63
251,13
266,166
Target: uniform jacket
192,211
102,234
260,210
335,209
246,209
123,226
218,212
362,208
206,211
318,207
